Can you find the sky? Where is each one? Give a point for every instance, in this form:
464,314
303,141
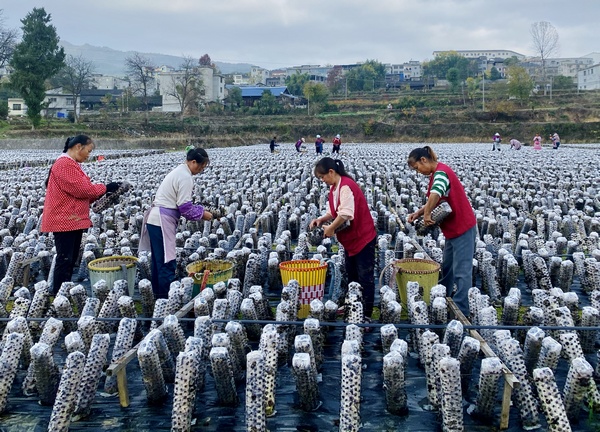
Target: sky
280,33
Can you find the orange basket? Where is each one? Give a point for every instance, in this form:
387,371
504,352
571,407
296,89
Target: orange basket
311,275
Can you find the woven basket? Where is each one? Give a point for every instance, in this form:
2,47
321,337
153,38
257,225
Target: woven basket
311,275
111,269
424,272
218,271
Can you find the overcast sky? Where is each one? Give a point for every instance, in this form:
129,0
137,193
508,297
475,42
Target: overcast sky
277,33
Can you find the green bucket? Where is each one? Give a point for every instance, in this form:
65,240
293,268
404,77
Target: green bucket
218,271
424,272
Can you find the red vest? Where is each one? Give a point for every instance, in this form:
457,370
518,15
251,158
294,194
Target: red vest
462,217
362,229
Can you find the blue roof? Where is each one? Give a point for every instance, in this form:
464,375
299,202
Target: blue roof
257,91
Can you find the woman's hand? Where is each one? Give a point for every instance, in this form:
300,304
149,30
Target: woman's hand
412,217
315,223
427,220
328,231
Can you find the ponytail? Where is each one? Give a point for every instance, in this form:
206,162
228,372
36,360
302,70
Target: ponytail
323,166
422,152
78,139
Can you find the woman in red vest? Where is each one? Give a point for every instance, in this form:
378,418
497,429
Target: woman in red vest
347,206
459,228
69,192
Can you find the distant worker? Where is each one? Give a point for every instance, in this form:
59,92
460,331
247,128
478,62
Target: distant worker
555,140
537,142
337,142
515,144
496,142
389,106
299,145
319,145
273,144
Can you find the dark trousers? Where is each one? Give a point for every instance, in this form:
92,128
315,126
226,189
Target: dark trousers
67,245
162,273
361,268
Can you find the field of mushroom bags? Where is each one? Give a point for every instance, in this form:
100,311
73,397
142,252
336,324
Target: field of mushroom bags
241,360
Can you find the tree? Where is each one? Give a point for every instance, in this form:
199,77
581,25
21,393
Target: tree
267,103
35,59
453,78
234,98
472,88
544,38
140,70
76,76
562,82
520,83
8,40
439,66
317,95
334,79
205,60
295,82
186,85
511,61
366,77
495,74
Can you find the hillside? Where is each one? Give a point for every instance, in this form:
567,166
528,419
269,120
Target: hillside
108,61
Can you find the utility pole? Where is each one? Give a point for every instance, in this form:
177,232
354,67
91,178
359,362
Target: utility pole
483,95
346,96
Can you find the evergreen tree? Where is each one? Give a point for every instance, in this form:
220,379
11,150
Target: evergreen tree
36,58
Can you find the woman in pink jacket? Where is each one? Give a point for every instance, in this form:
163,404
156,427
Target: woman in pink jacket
69,193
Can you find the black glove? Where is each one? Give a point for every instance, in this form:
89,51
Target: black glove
112,187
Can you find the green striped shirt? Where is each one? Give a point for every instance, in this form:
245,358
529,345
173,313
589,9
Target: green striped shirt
441,183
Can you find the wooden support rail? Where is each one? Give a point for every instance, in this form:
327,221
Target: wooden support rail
119,367
510,380
26,265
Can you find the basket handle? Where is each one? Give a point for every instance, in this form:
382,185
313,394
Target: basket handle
394,273
204,279
124,271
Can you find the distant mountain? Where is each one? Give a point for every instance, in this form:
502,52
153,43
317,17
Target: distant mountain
108,61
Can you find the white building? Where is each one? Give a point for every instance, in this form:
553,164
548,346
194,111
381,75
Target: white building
258,75
213,87
16,107
410,71
106,82
503,54
589,78
58,105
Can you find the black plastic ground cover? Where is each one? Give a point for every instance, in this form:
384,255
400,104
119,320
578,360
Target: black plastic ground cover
25,414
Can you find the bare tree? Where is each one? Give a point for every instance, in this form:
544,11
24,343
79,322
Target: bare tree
186,85
544,38
8,40
141,73
75,77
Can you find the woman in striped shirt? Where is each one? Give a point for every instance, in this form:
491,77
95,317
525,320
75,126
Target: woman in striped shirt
459,228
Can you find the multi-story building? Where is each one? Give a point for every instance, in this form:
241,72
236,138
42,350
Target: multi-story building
589,78
315,72
57,104
258,75
213,87
107,82
410,71
474,54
